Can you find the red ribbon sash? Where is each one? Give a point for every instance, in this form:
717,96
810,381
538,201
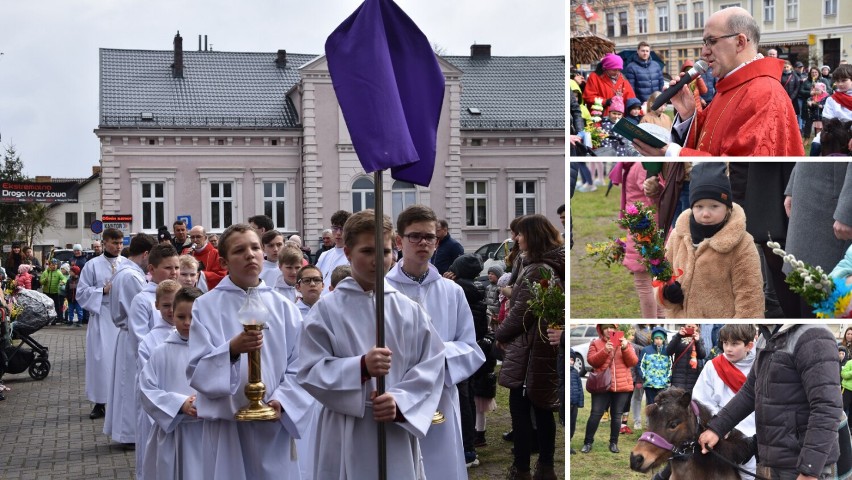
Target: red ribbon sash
843,99
731,375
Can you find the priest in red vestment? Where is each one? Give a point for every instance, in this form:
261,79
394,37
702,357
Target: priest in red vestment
751,114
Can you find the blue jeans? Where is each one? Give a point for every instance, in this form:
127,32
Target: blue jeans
585,174
74,307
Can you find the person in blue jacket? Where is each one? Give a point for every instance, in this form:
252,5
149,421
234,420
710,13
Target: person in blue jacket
644,74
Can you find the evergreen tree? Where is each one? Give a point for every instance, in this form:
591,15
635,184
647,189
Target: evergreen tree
11,214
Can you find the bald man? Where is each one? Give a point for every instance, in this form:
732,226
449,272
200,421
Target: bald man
207,256
751,113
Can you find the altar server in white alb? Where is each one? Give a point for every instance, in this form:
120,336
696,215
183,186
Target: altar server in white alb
444,301
218,370
330,259
173,448
273,242
129,280
340,363
101,334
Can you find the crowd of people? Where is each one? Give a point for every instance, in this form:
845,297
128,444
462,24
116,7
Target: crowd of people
779,385
164,345
780,107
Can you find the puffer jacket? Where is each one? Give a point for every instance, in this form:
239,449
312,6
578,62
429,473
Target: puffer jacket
683,375
793,388
528,353
576,392
721,278
645,76
622,362
656,366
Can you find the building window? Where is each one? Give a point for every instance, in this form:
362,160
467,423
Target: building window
610,25
622,23
728,5
153,205
403,195
476,203
682,17
683,55
363,194
698,8
524,198
662,18
696,53
71,220
221,204
593,27
768,11
275,202
792,9
89,218
642,20
831,7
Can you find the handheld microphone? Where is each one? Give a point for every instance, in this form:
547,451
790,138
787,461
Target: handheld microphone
699,68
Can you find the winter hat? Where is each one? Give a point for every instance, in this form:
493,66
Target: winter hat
496,270
24,268
611,61
658,333
708,180
820,87
467,266
75,270
799,64
77,247
65,267
16,244
632,102
616,104
164,235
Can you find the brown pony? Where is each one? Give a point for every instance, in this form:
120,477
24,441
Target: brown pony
674,423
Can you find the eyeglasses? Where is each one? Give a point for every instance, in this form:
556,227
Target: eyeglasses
311,281
709,42
335,228
418,237
196,236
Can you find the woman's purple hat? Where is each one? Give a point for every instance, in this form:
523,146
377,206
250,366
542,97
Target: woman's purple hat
612,61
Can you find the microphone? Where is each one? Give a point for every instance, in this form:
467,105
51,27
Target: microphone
699,68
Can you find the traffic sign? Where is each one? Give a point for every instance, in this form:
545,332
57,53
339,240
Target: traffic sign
97,226
187,219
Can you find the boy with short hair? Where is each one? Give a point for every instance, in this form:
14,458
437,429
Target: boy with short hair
723,377
173,446
339,361
273,242
129,280
330,259
443,451
289,263
340,272
309,286
188,275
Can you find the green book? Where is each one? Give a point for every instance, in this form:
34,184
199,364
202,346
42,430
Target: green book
630,131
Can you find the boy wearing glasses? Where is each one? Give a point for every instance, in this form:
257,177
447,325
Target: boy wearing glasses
334,257
309,285
444,301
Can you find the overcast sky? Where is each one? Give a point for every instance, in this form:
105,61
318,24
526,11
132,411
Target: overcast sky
49,66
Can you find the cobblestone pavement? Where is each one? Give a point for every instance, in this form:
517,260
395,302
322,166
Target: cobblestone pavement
45,430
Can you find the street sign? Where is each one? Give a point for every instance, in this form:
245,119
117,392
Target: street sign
119,222
186,219
97,226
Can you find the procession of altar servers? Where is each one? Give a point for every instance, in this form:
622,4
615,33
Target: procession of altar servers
334,422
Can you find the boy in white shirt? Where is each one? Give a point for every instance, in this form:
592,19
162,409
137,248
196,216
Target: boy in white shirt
309,285
273,242
289,264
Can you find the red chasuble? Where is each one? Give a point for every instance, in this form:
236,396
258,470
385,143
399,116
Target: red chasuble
751,115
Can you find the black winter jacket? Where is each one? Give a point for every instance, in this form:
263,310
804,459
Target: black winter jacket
794,390
683,375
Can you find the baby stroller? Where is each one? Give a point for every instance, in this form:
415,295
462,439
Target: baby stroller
36,312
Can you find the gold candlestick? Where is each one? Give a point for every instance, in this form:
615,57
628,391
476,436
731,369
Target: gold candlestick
438,418
257,409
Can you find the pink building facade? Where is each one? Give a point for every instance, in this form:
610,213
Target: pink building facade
222,136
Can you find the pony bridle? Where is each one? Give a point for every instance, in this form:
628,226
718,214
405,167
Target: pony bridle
685,450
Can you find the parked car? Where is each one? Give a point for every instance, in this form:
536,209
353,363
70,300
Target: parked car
582,336
64,255
494,254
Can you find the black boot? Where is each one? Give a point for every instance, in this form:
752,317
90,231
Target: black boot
509,436
99,411
479,439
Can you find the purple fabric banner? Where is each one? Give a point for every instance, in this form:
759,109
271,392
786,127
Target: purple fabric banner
390,89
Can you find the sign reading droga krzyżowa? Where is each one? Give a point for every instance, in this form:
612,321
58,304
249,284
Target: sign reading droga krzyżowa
38,192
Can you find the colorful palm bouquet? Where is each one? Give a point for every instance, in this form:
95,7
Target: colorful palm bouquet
609,253
649,242
830,299
548,299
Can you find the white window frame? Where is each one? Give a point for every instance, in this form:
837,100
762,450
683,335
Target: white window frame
830,5
663,18
698,11
792,9
151,202
211,175
477,197
277,175
768,11
729,5
522,174
362,192
525,197
682,16
140,175
623,27
222,200
489,176
610,23
402,193
642,20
